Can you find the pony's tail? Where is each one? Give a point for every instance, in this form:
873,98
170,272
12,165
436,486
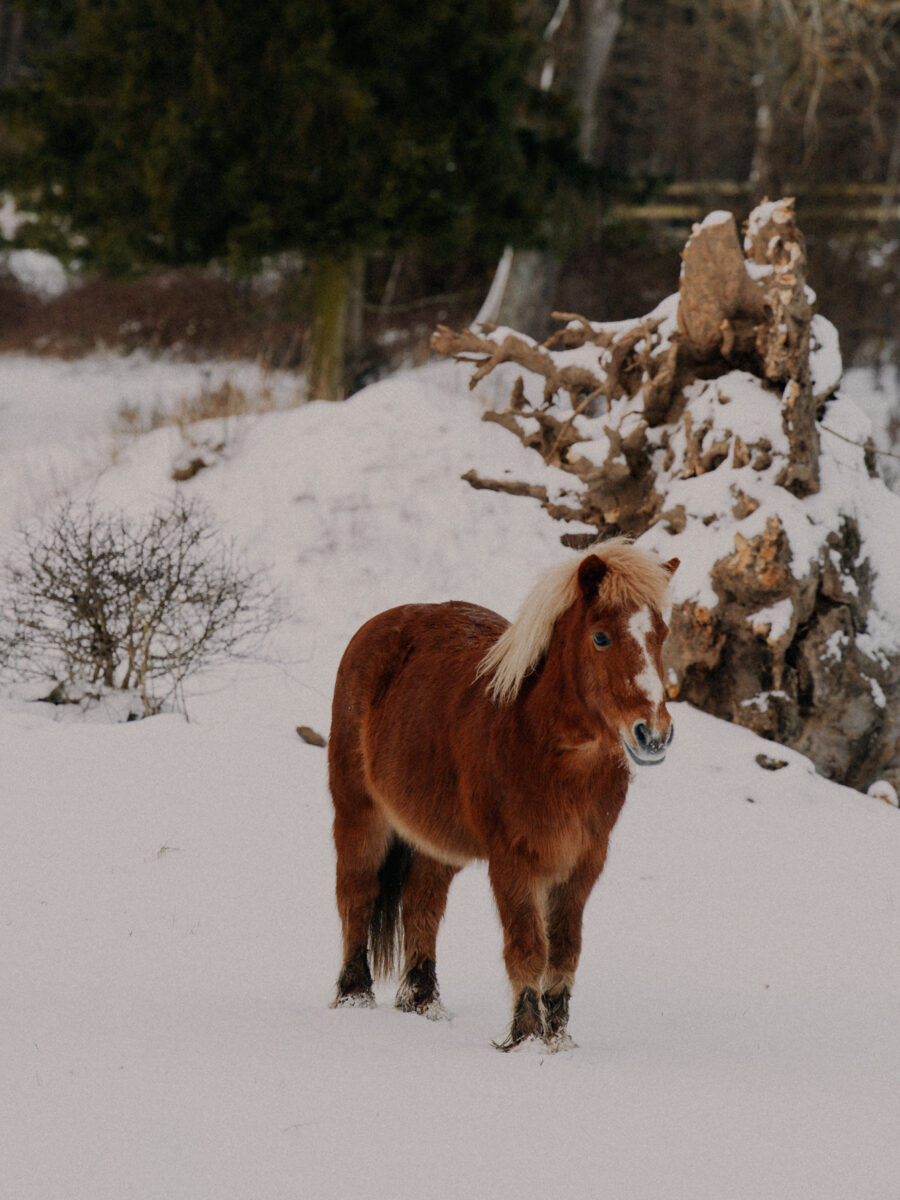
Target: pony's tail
386,928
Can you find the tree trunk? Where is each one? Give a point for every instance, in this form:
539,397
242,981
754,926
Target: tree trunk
354,332
771,49
583,45
325,355
527,299
762,175
892,173
12,26
597,25
334,348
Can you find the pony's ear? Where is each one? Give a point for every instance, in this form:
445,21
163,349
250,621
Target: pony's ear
590,576
671,566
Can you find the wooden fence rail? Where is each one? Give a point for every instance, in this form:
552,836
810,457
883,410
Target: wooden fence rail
684,202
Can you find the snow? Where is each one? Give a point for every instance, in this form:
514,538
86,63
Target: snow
717,217
37,272
878,393
835,646
761,702
825,364
775,621
882,790
11,218
61,423
169,935
759,271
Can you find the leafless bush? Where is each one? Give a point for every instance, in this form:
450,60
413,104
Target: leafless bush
96,600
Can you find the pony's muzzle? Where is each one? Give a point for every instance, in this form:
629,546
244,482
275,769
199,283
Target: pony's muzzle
648,746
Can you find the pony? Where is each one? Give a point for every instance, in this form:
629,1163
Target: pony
458,736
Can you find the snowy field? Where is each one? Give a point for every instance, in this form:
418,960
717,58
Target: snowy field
169,936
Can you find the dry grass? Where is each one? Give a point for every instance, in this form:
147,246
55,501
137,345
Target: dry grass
208,424
227,401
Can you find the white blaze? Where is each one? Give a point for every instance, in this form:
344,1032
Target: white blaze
648,680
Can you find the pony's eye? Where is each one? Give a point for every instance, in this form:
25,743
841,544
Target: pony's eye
601,639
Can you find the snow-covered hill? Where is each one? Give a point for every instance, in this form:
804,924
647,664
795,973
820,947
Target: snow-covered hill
169,938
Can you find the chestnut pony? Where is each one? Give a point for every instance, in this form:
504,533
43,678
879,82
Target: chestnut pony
458,736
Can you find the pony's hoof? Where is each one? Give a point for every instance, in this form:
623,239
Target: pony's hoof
354,1000
528,1022
428,1006
418,992
561,1040
549,1043
431,1010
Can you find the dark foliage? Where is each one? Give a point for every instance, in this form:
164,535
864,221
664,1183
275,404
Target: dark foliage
180,133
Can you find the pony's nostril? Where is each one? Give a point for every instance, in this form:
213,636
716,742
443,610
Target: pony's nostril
642,735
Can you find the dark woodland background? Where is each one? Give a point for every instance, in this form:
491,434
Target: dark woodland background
675,108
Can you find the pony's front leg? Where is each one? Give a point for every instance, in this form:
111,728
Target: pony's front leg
565,914
520,904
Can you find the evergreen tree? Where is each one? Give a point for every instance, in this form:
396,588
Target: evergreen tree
179,133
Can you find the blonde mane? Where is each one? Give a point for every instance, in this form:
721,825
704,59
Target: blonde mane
633,578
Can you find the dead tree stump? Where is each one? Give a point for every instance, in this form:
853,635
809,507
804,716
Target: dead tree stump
696,429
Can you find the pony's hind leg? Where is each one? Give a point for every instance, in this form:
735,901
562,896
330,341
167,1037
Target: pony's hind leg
362,840
424,902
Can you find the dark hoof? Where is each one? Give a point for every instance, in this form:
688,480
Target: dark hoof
354,988
556,1010
527,1023
418,993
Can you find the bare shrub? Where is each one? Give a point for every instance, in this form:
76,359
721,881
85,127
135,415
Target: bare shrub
96,600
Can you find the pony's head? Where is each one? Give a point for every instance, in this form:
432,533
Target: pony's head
607,610
623,599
